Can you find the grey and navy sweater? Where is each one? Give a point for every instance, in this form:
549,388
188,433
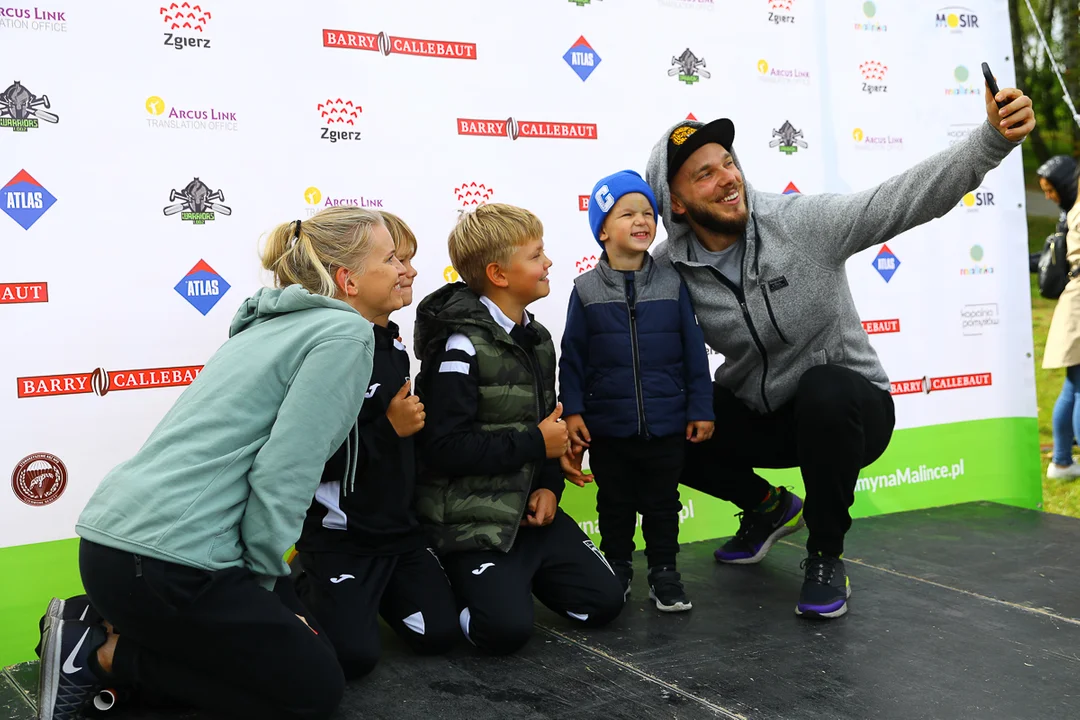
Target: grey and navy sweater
633,357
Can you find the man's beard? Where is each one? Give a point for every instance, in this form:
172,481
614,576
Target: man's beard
704,216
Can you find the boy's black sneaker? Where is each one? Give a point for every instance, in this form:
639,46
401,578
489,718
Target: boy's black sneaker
826,589
665,587
74,608
624,571
758,531
66,684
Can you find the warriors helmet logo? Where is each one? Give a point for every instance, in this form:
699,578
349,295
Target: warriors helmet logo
197,203
23,108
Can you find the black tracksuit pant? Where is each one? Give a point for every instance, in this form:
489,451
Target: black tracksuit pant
837,424
557,563
347,594
217,641
635,475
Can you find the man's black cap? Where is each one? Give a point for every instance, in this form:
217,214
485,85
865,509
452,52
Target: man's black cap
690,135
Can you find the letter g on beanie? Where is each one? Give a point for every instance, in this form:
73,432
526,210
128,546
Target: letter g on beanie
607,192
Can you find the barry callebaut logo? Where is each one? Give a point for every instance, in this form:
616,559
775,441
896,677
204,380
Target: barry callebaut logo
186,23
36,18
39,479
101,381
782,75
22,110
198,203
339,119
788,139
170,117
873,75
386,44
927,385
689,67
27,292
879,327
780,12
315,201
515,129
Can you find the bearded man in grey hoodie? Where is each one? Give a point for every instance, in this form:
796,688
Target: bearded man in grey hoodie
800,385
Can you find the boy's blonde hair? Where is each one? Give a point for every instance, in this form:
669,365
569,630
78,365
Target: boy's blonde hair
308,252
489,234
404,239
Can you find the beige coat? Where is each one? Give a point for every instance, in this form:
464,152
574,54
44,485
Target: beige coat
1063,340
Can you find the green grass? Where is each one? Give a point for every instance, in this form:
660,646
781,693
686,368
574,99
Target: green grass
1058,497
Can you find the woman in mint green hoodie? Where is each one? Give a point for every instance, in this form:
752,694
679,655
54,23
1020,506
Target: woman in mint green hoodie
188,597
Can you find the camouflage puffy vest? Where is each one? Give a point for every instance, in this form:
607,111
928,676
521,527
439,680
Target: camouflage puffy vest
483,512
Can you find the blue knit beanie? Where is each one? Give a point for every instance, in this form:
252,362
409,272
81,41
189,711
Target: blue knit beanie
608,191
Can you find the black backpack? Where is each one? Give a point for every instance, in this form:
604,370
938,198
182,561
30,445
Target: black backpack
1054,271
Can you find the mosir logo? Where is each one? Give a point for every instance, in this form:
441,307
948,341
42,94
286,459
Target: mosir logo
956,19
336,115
877,327
873,75
385,44
184,20
514,129
101,382
928,385
11,293
39,479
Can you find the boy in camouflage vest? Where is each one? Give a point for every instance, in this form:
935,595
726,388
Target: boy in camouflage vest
493,439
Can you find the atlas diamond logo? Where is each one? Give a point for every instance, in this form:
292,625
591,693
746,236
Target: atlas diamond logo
927,385
335,115
198,203
788,139
183,20
386,44
581,58
586,263
955,19
780,12
473,194
32,292
689,68
25,200
791,189
39,479
514,129
871,23
101,381
202,287
21,110
873,75
886,263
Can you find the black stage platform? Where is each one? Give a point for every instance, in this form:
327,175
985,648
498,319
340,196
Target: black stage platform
970,611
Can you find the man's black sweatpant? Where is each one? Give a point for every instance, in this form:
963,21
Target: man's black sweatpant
558,563
348,593
635,475
217,641
837,424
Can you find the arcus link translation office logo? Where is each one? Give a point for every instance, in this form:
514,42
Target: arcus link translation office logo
385,44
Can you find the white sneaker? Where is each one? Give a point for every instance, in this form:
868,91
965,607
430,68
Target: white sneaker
1066,474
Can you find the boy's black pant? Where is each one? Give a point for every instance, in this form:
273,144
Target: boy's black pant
557,563
347,593
212,640
632,476
837,424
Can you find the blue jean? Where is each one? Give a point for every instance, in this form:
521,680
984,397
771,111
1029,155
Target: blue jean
1066,418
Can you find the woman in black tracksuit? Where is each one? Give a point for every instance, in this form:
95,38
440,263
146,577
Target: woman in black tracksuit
362,549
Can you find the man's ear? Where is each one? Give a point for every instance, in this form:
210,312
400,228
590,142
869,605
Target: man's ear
677,207
495,275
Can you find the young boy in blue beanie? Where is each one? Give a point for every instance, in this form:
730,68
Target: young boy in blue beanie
635,384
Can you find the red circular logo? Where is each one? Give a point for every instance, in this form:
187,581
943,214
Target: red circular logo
39,479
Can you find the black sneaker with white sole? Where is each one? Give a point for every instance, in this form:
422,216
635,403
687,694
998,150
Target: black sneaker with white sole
66,684
73,608
825,590
666,589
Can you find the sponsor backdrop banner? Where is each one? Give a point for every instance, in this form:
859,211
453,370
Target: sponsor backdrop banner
134,204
